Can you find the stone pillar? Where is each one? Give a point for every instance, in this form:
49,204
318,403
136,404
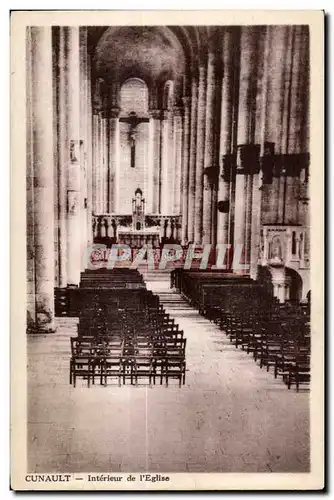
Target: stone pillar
295,141
63,158
177,126
201,107
30,208
95,157
278,52
42,162
246,130
73,180
89,155
286,116
253,242
295,89
170,171
55,119
240,211
97,166
226,129
150,168
155,118
164,191
104,161
83,141
209,157
113,157
100,162
192,161
185,160
278,276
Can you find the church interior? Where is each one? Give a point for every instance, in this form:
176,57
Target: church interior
185,138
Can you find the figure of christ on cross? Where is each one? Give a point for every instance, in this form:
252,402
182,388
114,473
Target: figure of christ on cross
133,120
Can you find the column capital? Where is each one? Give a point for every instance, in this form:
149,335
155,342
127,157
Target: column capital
155,114
104,113
177,111
114,112
165,114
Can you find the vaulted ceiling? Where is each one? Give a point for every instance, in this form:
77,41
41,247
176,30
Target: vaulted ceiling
153,53
150,53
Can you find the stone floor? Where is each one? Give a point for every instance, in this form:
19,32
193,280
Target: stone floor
230,416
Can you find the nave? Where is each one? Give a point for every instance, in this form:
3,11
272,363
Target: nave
230,416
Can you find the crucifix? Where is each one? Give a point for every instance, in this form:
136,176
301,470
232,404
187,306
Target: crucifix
133,120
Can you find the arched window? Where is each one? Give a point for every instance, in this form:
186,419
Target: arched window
134,97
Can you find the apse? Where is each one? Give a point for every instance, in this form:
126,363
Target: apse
151,53
138,74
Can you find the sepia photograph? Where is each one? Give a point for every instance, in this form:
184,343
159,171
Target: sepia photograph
170,206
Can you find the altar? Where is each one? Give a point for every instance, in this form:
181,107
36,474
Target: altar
136,229
137,239
139,235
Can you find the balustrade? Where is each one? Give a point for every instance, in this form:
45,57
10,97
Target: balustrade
118,229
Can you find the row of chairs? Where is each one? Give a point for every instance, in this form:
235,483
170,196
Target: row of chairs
125,361
278,337
126,338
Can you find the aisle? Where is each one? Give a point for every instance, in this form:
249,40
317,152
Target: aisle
229,417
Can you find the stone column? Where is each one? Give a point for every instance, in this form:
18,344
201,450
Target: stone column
150,168
30,208
192,161
286,117
278,50
201,107
177,126
226,130
83,141
89,134
155,118
104,162
246,130
100,163
164,192
113,156
209,157
73,180
185,160
240,211
296,126
296,100
253,242
170,170
42,160
63,157
95,157
278,276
